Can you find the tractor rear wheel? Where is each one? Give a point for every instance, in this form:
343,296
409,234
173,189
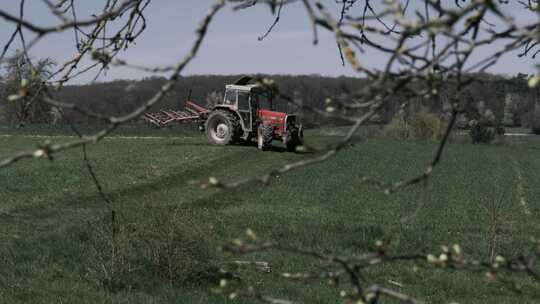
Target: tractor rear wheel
265,134
222,127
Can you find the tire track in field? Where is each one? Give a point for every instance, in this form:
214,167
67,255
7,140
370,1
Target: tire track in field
520,189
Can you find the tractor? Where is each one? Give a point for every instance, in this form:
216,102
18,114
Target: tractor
245,113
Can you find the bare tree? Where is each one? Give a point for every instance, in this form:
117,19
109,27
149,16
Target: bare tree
24,87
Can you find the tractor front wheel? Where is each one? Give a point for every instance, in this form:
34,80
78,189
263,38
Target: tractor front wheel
265,134
222,127
294,138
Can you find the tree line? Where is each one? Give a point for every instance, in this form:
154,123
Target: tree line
509,100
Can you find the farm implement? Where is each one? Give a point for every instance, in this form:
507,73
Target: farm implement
246,113
192,113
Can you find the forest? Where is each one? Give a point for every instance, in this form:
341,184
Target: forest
508,99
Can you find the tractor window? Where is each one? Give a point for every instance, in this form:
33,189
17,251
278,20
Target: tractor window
243,101
230,97
264,100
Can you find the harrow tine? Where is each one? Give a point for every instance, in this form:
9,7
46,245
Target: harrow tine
196,107
192,113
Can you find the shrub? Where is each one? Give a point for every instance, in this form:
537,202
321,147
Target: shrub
500,130
482,132
154,244
535,123
426,126
397,128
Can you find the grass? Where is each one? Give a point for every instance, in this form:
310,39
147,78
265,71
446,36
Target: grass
49,210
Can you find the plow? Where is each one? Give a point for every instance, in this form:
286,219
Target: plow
245,114
193,113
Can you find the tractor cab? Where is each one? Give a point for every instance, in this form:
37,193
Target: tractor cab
244,96
248,101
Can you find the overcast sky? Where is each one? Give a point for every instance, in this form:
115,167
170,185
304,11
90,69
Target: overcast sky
231,46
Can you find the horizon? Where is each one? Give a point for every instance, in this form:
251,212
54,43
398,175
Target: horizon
503,76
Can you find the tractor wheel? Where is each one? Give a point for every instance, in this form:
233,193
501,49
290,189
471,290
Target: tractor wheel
265,134
222,127
294,138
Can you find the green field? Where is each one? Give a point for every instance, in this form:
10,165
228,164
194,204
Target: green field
484,197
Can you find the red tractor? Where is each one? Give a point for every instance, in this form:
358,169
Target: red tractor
245,113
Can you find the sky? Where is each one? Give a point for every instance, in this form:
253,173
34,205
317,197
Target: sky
231,46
